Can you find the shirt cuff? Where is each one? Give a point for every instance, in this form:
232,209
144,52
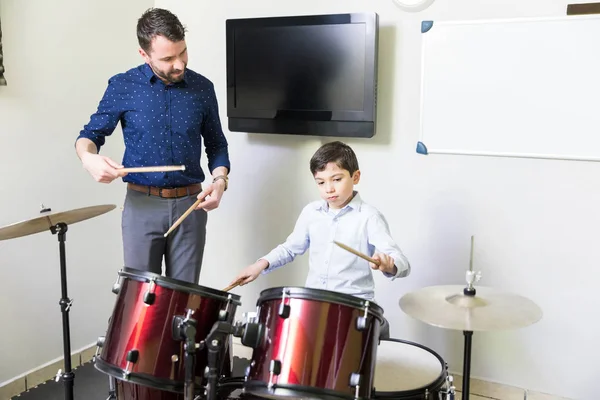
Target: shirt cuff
402,272
98,141
272,263
221,160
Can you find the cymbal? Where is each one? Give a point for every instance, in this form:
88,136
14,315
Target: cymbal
47,219
489,310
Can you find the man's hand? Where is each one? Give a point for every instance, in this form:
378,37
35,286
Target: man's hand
211,196
386,264
102,168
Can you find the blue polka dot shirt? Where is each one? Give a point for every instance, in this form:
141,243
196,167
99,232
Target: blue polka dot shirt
162,125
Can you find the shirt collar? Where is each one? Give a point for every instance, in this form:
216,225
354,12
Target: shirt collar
146,70
355,203
152,78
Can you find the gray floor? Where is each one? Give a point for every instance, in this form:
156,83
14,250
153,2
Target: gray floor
91,384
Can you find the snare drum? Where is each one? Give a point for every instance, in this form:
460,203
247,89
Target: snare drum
317,344
410,371
139,346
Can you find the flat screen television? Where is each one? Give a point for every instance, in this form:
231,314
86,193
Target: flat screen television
303,75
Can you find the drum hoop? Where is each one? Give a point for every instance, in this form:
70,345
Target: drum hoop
304,293
412,392
187,287
259,388
137,378
232,383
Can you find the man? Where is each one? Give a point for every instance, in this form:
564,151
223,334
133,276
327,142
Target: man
166,110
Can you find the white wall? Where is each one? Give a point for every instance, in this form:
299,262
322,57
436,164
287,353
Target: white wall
58,58
534,221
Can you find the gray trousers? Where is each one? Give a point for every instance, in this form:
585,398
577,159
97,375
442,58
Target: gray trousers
146,219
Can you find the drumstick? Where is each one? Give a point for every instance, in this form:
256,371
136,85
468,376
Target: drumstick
164,168
234,284
358,253
185,214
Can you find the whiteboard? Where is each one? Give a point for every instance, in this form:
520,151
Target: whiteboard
512,88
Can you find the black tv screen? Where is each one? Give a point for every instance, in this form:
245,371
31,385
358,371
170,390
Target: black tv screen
310,75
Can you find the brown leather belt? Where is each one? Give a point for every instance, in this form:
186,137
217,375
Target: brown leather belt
168,193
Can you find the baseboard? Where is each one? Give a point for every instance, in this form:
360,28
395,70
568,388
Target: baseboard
478,387
498,391
43,373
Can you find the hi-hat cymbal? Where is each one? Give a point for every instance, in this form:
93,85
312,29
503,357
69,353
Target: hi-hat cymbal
45,220
489,310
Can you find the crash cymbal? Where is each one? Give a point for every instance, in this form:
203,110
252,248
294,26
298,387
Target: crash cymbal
46,219
488,310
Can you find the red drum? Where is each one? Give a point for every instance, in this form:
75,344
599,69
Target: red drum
139,346
318,344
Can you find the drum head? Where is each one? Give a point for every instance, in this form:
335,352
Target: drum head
327,296
404,366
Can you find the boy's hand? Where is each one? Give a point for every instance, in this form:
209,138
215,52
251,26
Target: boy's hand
251,272
386,263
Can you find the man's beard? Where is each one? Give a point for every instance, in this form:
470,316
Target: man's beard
172,77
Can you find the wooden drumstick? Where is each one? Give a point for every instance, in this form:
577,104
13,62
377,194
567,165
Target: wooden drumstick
358,253
185,214
233,285
164,168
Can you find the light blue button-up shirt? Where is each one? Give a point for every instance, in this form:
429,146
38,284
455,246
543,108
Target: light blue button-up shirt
357,225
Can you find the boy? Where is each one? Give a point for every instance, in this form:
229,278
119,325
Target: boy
341,216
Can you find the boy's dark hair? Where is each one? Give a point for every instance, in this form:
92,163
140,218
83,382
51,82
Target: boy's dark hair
337,152
158,22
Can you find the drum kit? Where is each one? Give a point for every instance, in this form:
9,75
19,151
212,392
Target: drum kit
173,340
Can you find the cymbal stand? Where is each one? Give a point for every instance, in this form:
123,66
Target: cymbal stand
467,364
68,376
472,277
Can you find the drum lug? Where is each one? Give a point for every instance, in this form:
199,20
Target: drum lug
99,345
284,309
361,322
224,314
450,391
274,369
132,358
355,381
150,296
117,285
